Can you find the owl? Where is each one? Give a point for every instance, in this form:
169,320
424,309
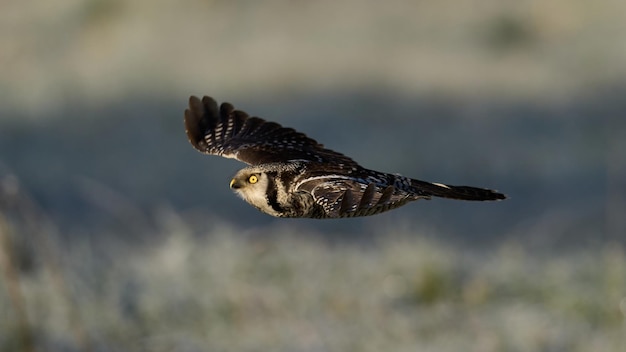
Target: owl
292,176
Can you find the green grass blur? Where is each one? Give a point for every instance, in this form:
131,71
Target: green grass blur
225,290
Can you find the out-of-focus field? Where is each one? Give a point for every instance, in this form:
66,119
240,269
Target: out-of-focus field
115,235
98,51
232,289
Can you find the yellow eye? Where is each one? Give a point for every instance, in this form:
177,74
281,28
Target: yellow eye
253,179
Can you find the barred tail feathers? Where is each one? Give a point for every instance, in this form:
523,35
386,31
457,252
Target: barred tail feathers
456,192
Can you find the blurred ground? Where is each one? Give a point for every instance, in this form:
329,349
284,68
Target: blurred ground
57,53
525,97
242,290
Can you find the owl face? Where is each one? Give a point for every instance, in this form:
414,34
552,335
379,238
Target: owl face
251,185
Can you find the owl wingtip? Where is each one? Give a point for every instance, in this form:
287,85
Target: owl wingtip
198,117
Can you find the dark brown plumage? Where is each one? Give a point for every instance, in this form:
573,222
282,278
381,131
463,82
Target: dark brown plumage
292,175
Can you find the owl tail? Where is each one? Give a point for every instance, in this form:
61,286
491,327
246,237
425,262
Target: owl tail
456,192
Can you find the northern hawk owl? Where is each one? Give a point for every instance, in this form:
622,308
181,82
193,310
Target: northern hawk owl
291,175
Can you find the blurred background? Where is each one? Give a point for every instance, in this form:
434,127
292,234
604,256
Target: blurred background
117,235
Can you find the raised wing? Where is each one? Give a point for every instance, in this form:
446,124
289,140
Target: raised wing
342,196
233,134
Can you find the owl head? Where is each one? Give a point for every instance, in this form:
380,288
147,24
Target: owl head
265,186
251,185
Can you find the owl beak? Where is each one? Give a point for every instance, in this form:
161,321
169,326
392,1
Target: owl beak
234,184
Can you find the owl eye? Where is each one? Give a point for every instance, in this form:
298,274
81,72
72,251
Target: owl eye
253,179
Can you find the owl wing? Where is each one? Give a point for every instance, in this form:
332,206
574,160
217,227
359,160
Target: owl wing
343,196
233,134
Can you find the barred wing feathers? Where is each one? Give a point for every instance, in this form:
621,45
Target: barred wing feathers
345,196
231,133
342,196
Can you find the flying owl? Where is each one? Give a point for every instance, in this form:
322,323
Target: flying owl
292,176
